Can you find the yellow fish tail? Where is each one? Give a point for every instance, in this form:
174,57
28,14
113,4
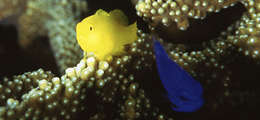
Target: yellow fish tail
131,37
133,33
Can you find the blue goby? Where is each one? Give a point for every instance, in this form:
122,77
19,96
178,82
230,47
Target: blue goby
182,90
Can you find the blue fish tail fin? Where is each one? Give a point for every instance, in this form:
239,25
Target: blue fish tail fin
182,90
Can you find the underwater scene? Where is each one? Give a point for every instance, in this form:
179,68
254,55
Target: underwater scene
129,59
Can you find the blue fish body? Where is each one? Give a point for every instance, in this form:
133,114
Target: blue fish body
182,90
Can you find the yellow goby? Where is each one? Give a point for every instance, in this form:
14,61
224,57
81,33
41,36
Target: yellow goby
105,34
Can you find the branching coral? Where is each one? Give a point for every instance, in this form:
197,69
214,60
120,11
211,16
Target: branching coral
57,19
31,26
121,88
10,8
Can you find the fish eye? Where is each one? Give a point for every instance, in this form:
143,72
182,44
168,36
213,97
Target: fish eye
90,28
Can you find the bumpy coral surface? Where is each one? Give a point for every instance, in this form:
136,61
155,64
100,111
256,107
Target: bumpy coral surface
128,86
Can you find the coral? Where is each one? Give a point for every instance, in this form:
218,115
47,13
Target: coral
10,8
247,33
62,35
179,10
30,26
40,94
57,19
127,86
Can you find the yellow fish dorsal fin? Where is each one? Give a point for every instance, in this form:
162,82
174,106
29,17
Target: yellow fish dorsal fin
101,12
119,16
